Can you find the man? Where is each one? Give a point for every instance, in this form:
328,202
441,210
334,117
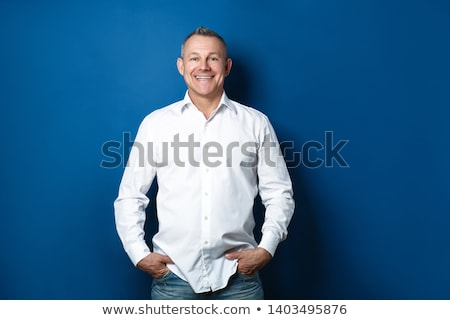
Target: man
211,156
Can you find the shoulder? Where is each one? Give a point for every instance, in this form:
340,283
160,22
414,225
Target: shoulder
250,113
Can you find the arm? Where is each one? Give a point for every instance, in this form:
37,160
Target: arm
275,189
130,205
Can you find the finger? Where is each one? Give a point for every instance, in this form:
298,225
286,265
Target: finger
245,270
167,259
232,255
160,273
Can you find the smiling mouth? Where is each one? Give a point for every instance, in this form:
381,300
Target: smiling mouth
203,77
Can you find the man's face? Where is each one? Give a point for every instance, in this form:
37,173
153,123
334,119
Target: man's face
204,66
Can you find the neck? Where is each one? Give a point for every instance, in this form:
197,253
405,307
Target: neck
206,105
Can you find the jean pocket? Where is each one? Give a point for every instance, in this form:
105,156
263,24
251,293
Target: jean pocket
248,278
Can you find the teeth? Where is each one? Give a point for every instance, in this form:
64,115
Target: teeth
203,77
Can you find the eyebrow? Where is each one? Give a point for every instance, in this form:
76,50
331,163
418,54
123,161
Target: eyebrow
198,54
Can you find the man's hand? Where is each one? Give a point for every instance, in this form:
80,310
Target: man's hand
250,260
155,264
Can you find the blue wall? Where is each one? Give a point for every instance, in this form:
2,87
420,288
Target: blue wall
375,74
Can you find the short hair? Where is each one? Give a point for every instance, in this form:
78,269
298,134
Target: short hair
203,31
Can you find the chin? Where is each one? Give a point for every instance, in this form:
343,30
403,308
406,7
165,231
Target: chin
206,93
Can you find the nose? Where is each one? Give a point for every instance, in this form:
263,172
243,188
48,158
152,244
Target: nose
204,65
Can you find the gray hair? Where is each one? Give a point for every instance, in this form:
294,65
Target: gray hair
203,31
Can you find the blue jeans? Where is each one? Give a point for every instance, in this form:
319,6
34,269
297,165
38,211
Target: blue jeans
239,287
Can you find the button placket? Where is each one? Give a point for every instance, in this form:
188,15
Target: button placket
206,206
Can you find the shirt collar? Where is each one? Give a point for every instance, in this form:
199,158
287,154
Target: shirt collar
224,101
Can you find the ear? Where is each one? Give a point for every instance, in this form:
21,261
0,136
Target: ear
180,66
228,65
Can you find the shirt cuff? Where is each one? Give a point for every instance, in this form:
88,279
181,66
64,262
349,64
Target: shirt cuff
269,241
137,252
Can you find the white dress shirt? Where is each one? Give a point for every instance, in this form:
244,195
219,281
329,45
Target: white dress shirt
208,173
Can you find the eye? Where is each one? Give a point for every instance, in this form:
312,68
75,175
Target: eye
194,59
214,59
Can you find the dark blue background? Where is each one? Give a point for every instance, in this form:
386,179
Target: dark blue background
74,75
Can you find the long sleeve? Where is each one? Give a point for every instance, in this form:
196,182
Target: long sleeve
132,200
275,189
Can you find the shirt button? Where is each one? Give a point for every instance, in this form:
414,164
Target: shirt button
206,217
206,194
206,242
